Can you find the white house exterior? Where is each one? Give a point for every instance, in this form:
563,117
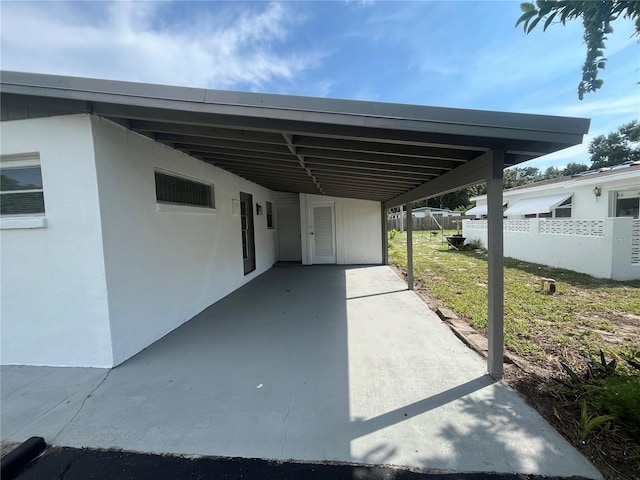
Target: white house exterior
587,223
106,258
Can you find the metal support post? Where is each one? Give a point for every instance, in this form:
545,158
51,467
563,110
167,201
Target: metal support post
495,265
409,247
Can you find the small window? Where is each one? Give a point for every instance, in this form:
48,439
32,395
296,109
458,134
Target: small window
269,215
182,191
563,210
21,191
627,203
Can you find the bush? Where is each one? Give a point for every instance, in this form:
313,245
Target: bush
618,395
476,244
609,391
392,233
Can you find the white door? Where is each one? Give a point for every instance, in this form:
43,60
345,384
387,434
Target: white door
322,234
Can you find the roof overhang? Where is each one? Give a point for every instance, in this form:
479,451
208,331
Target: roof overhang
391,153
478,210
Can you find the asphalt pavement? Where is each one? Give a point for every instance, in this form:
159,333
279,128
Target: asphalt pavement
65,463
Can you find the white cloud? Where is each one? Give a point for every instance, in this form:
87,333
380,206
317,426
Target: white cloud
629,105
147,41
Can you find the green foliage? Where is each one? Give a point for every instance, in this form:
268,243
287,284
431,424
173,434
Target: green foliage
610,391
596,16
574,168
452,201
616,147
392,233
589,422
619,396
476,244
602,367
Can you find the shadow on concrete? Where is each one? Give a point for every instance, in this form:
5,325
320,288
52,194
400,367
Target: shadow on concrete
307,363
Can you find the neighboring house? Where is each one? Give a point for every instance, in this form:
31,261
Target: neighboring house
588,222
127,208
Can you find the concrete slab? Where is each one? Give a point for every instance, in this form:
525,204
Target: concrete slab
305,363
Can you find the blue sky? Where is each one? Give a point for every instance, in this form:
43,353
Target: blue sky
447,53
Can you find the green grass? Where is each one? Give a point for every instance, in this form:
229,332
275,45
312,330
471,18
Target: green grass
582,317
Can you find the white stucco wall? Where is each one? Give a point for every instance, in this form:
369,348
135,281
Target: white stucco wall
164,267
602,248
52,285
358,229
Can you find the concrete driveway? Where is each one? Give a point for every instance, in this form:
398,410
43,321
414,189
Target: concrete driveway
305,363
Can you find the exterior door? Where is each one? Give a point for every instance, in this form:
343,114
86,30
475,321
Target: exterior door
322,234
248,239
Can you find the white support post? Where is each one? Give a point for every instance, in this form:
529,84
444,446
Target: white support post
401,208
409,247
496,266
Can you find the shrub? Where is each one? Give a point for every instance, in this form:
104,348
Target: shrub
476,244
609,391
618,395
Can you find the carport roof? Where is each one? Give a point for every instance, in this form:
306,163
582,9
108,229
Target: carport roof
391,153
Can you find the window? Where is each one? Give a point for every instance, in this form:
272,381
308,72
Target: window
269,215
564,209
627,203
21,191
182,191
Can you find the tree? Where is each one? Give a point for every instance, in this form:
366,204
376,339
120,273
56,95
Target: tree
596,16
574,168
552,172
616,147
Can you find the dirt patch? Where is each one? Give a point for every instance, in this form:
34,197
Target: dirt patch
540,384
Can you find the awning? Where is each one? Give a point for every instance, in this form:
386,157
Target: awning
537,205
477,210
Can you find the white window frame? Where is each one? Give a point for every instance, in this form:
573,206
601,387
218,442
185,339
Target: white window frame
628,193
23,220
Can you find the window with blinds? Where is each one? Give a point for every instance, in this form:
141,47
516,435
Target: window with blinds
21,191
182,191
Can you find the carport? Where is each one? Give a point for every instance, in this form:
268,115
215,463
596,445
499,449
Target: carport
390,153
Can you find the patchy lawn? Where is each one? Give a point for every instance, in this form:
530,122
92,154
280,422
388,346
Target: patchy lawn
584,315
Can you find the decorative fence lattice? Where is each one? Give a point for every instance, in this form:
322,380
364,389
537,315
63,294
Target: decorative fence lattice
517,226
635,242
508,225
477,224
591,228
